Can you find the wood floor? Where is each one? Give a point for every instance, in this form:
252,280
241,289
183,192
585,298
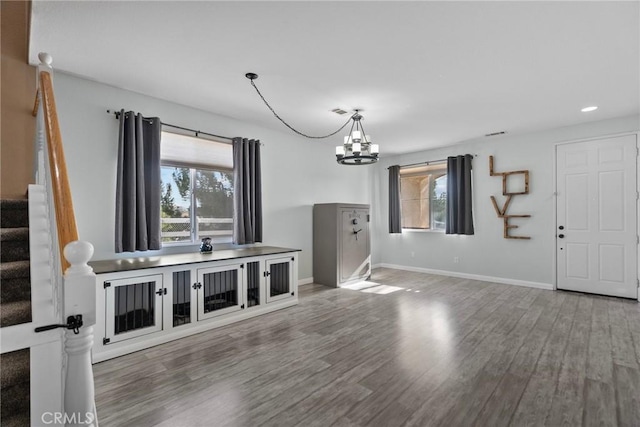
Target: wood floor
438,351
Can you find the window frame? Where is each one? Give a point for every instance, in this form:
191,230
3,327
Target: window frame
436,166
194,236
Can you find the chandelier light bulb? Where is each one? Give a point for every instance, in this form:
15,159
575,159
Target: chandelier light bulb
356,136
374,149
340,151
356,148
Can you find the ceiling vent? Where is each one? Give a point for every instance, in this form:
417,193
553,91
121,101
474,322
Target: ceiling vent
496,133
338,111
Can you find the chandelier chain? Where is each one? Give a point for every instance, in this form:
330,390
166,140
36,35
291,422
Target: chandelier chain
291,127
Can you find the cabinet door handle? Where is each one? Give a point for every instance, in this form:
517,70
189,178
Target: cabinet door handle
197,285
162,291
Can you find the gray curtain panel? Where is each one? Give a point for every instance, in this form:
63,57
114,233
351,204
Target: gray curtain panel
459,195
138,184
247,191
395,218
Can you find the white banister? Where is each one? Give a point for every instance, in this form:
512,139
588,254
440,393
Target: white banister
79,299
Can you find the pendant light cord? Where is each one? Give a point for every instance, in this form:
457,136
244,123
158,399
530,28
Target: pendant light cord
287,124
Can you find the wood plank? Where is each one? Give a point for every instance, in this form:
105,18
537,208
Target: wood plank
599,404
600,360
568,403
536,399
627,391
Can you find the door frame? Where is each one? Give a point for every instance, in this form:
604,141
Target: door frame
555,194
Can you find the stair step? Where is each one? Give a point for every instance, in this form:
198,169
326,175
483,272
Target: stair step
15,313
14,401
15,367
14,269
15,250
14,213
14,234
18,420
10,234
15,388
18,289
14,204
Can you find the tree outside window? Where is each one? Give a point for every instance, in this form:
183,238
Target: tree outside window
196,203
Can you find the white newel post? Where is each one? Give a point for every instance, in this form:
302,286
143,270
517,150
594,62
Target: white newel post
79,298
40,140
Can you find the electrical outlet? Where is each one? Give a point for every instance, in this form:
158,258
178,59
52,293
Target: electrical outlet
456,259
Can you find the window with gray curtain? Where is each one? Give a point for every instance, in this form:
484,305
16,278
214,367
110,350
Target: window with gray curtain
137,225
395,217
459,195
247,195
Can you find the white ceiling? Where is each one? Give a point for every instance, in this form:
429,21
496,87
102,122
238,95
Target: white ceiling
427,74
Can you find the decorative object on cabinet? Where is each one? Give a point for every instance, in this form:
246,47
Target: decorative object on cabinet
502,212
144,302
206,246
341,247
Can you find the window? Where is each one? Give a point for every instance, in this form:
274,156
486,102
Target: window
197,189
423,197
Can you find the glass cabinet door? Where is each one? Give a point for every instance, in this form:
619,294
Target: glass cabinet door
133,307
219,290
279,278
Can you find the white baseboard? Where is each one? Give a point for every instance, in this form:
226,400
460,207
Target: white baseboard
305,281
501,280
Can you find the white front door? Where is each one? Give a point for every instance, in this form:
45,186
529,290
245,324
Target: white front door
597,216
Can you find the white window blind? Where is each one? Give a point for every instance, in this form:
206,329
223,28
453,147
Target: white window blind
185,150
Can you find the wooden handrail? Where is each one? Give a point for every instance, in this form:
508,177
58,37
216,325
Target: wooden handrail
63,205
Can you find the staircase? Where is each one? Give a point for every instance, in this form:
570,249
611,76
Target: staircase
47,290
15,308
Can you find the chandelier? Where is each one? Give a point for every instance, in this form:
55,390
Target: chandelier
357,148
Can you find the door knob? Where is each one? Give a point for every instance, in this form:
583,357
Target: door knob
560,236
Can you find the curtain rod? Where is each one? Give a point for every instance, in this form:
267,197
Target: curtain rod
427,163
197,132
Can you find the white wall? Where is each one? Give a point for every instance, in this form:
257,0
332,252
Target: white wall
297,173
487,253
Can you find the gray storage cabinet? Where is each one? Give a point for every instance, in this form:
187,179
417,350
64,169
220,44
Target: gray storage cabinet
341,246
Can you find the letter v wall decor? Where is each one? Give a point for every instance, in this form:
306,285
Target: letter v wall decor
502,213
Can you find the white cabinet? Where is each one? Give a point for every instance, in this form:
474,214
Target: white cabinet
219,290
146,303
135,307
279,275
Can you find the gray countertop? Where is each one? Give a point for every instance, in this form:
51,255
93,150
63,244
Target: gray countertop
127,264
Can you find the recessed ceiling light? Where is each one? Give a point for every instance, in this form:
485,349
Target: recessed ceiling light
587,109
